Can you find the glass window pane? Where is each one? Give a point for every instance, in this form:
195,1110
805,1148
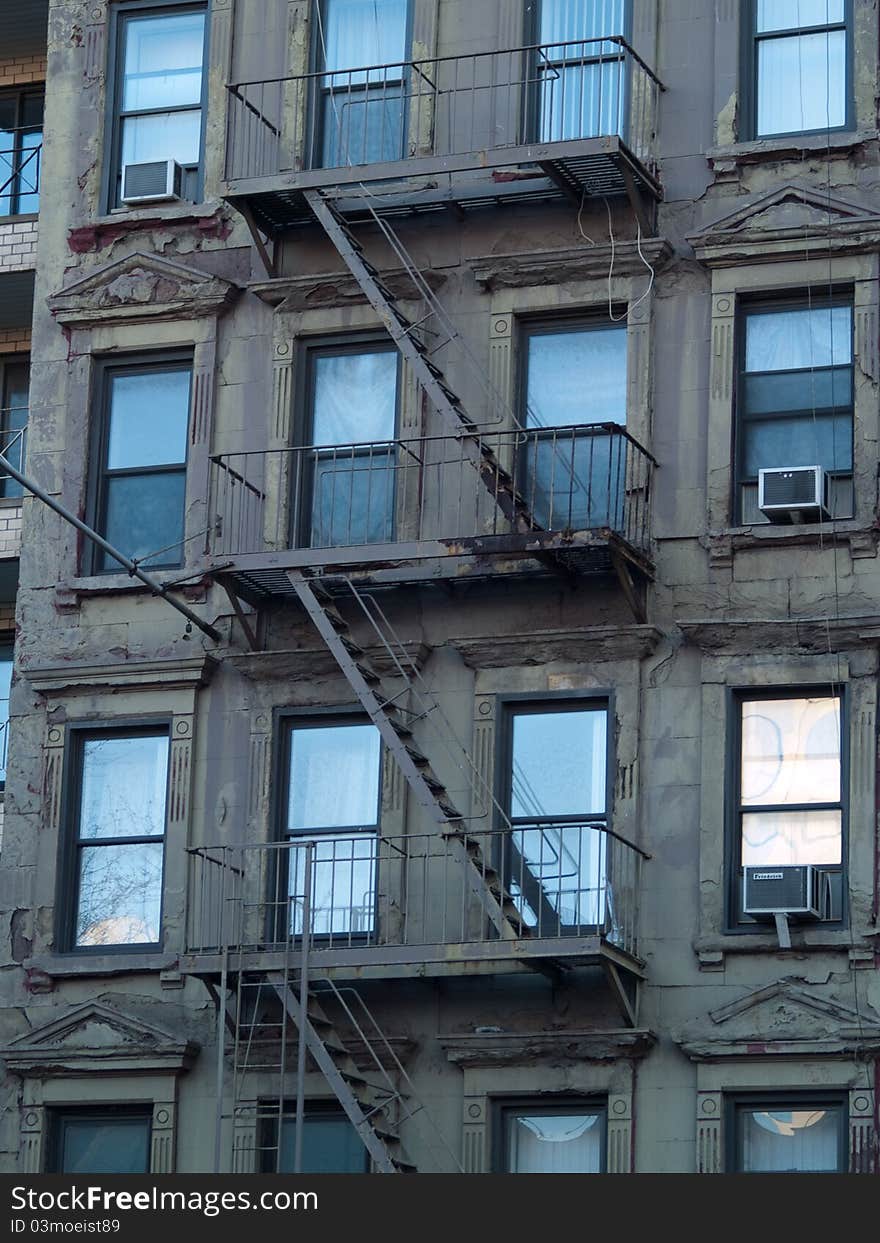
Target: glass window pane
27,182
802,83
777,392
14,399
105,1146
144,514
562,21
5,685
559,763
120,894
582,100
163,61
560,872
799,339
334,777
342,901
794,14
791,1141
576,375
359,33
330,1145
824,440
353,498
355,397
162,136
124,782
362,126
790,751
149,416
786,838
573,481
554,1144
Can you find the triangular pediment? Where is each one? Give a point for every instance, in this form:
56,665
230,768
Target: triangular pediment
98,1035
142,286
782,1018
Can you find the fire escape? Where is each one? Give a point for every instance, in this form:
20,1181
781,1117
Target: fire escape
281,931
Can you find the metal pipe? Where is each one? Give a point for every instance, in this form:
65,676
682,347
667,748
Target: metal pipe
157,588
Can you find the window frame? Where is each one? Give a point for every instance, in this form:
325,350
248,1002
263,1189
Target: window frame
120,14
528,326
749,73
7,363
301,504
97,491
736,1104
267,1131
68,878
795,300
19,94
60,1116
735,922
502,1107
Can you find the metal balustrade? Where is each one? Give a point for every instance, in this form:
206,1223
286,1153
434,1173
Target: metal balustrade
571,479
366,891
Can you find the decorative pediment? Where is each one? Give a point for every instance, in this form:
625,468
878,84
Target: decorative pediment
93,1038
787,221
142,287
782,1020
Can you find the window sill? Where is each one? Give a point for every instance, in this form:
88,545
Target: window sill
805,939
26,217
792,146
862,540
181,210
124,962
68,595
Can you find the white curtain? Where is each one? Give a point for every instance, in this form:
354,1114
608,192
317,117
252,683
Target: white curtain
801,1141
554,1144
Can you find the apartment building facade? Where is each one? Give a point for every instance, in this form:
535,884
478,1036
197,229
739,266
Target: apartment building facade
497,387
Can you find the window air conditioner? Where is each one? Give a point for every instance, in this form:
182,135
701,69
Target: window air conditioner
770,891
156,182
793,494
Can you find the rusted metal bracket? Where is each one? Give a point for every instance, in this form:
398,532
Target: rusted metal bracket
249,632
635,597
626,992
635,198
268,261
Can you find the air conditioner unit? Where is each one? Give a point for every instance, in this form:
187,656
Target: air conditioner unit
156,182
793,494
789,890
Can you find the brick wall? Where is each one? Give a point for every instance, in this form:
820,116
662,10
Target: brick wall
23,71
18,245
15,341
10,546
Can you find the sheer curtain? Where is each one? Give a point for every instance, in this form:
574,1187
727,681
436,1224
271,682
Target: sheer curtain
801,78
554,1144
583,97
804,1141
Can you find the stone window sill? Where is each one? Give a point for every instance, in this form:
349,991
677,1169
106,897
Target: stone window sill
862,540
44,970
793,146
68,595
711,951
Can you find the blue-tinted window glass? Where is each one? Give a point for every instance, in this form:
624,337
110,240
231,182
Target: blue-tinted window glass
163,61
576,375
148,419
104,1145
5,686
330,1145
801,68
144,518
334,777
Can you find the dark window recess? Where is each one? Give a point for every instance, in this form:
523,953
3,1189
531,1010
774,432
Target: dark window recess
14,399
21,149
142,474
332,785
573,478
567,1138
557,798
330,1145
790,776
6,656
344,483
798,62
99,1142
791,1133
117,811
794,403
159,92
360,112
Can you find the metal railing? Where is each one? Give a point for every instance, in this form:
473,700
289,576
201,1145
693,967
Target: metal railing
368,890
20,167
582,478
444,106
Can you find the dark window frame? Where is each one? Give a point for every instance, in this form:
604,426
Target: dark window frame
749,72
20,94
120,14
60,1116
8,363
734,920
736,1104
106,368
286,721
68,878
267,1133
801,300
563,1105
310,348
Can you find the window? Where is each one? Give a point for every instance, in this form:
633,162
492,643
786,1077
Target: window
800,53
344,490
86,1141
140,492
331,801
789,781
14,400
795,397
574,478
563,1139
361,115
116,813
330,1144
159,91
557,799
789,1134
21,146
582,81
